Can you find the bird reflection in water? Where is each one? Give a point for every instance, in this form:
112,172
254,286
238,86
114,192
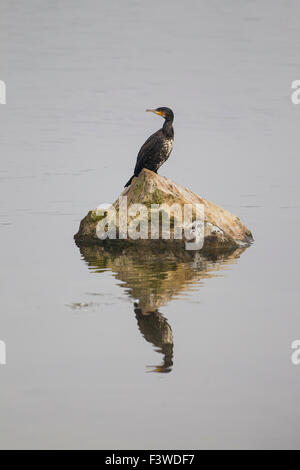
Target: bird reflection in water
156,330
152,278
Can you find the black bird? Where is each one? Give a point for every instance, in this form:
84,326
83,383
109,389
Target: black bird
156,150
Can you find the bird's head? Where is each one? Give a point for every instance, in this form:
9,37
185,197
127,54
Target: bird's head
166,113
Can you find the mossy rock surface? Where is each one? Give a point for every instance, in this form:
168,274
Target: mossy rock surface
223,231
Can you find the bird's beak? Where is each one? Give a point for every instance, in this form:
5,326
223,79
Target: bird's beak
154,111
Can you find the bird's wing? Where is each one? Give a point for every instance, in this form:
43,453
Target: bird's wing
149,148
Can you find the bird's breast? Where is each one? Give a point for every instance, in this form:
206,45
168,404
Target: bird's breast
167,146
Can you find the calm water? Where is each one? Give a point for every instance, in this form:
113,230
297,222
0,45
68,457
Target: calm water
146,350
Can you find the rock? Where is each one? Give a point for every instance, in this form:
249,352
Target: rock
222,230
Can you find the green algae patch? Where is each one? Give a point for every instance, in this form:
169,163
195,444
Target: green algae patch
97,217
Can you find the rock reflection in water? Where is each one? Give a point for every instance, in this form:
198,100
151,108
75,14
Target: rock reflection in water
152,278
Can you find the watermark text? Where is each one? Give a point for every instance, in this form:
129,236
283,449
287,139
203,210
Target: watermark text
2,353
2,92
295,357
295,97
152,221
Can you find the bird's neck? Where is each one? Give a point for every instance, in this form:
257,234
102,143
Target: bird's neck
168,128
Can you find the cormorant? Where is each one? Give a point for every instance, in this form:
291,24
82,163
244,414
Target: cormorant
156,150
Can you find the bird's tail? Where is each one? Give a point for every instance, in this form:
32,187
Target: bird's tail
129,182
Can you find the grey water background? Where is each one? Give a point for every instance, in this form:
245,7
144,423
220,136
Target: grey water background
79,76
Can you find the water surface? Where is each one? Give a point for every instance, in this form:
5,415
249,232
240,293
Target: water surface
129,350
